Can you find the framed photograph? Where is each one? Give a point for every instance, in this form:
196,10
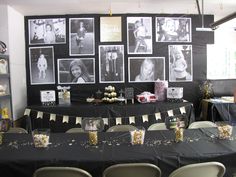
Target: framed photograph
92,124
146,69
110,29
111,63
180,63
139,35
47,31
81,36
173,29
41,61
76,70
48,97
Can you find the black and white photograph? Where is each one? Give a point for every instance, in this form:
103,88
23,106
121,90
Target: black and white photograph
173,29
180,63
81,36
146,69
139,35
41,61
111,63
76,70
47,31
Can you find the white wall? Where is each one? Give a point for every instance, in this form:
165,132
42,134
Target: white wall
12,33
4,24
16,33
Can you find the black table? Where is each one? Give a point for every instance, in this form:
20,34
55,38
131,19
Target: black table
218,111
109,111
20,158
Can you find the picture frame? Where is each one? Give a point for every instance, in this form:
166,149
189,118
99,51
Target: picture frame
110,29
47,31
48,97
139,35
81,36
146,69
111,64
173,29
180,63
66,75
41,62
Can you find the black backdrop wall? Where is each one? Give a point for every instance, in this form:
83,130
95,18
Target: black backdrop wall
79,92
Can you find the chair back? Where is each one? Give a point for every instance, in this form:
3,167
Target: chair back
209,169
75,130
157,126
122,128
132,170
61,172
202,124
17,130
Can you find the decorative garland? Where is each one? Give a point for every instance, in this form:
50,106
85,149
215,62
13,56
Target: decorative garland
118,120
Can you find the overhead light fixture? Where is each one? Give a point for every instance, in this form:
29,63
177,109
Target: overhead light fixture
202,28
223,20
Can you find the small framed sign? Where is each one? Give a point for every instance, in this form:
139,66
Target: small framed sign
48,97
129,94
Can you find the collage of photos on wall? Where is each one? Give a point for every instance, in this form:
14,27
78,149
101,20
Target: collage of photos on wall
142,66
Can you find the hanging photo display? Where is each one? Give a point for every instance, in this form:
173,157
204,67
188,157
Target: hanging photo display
111,63
173,29
76,71
41,60
139,35
81,36
146,69
110,29
180,63
47,31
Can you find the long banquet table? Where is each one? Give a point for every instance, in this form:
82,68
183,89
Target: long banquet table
19,157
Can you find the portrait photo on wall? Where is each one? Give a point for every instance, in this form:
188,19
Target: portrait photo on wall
47,31
146,69
110,29
41,60
139,35
180,63
111,63
173,29
81,36
76,70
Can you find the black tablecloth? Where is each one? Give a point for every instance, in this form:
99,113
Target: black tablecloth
219,111
110,111
18,157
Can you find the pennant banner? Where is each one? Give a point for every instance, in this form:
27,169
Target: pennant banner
105,120
132,119
158,116
145,118
78,120
39,115
170,113
65,119
27,112
182,110
52,117
118,120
